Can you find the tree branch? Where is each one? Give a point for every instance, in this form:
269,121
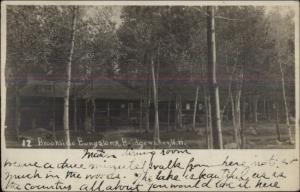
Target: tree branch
217,17
229,19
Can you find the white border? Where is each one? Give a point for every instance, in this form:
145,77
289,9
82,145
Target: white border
204,152
293,4
154,3
187,3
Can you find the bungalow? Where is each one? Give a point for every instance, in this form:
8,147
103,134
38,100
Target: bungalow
96,106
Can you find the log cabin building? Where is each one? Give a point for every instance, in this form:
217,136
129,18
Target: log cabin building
99,106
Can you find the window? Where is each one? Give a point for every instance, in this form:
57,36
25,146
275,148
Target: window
130,105
200,106
188,106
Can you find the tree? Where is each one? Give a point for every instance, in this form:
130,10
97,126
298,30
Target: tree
26,50
213,86
282,35
69,69
245,48
156,121
134,58
195,108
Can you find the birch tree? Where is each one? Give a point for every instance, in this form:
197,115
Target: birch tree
213,86
69,70
282,34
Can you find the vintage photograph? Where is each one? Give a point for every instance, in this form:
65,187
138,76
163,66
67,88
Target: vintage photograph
150,77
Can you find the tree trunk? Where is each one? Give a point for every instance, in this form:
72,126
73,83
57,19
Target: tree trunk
255,117
238,110
75,111
108,114
53,111
195,108
67,91
17,112
147,102
277,125
208,127
141,113
268,110
128,113
265,109
176,113
208,121
93,123
213,86
243,123
227,115
229,89
86,116
157,72
85,112
156,121
236,113
180,113
169,106
235,121
286,109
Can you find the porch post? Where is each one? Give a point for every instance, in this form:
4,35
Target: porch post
141,113
108,114
168,116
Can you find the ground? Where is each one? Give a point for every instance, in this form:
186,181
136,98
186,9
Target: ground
263,137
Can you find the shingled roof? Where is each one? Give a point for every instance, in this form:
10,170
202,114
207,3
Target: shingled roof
105,89
43,89
109,89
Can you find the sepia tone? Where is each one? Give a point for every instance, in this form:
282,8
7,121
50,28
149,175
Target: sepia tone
199,77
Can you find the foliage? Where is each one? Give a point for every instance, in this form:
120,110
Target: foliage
251,39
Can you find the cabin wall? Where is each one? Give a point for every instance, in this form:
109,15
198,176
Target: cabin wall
38,112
